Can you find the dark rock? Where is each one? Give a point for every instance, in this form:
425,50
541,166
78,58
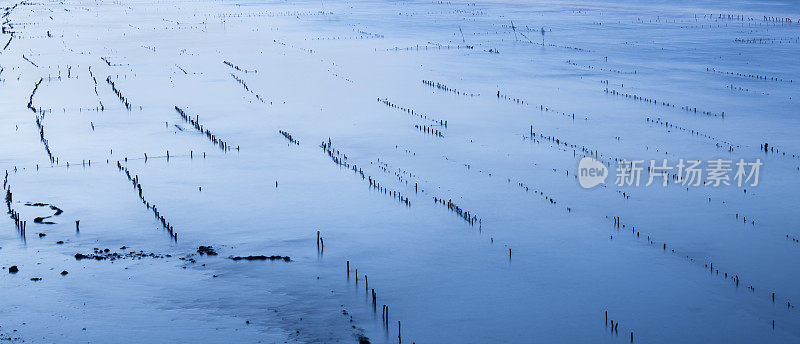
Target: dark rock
80,256
42,220
286,259
58,211
13,269
107,255
207,250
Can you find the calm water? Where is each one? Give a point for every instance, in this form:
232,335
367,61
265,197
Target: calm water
542,261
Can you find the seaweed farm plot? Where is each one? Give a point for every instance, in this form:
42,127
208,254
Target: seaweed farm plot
399,172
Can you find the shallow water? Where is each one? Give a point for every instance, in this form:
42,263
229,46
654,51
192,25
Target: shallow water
543,264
